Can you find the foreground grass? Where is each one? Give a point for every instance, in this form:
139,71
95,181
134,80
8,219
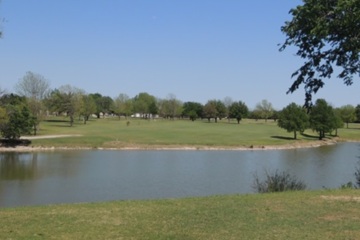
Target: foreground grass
114,133
292,215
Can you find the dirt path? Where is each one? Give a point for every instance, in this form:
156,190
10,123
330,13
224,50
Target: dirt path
50,136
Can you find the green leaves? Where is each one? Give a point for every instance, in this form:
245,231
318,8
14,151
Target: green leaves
15,117
293,118
326,34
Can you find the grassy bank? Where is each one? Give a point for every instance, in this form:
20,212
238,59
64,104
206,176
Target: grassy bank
292,215
114,133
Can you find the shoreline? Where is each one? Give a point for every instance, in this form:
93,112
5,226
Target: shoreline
297,145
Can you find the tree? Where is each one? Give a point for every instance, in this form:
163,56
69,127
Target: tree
338,122
221,110
170,107
4,118
265,109
193,110
325,32
67,99
228,101
322,118
15,117
145,104
97,99
210,110
357,113
88,107
293,118
104,104
238,110
34,87
122,105
347,114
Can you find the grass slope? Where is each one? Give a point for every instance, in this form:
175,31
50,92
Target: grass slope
292,215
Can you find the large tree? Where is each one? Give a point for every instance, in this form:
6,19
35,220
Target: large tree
238,110
210,110
67,99
192,110
322,118
34,87
145,105
326,35
293,118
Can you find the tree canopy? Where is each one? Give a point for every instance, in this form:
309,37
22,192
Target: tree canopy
238,110
326,35
322,118
15,117
293,118
193,110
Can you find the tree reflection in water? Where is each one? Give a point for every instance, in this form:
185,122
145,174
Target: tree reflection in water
18,166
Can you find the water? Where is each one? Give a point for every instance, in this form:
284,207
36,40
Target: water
99,175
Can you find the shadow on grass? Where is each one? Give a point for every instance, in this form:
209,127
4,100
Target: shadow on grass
283,138
351,128
56,121
11,143
309,136
64,123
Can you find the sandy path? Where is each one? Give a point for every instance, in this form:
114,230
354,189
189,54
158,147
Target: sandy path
50,136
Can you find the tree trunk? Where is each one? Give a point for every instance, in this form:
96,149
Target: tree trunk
35,129
295,134
71,121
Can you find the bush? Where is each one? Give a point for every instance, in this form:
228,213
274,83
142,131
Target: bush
278,182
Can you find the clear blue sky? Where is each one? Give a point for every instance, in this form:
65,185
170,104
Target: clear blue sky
195,49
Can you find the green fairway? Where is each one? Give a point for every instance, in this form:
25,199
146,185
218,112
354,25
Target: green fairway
291,215
115,133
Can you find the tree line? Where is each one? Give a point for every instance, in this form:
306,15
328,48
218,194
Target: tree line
21,112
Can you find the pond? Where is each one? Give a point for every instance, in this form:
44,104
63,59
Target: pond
39,178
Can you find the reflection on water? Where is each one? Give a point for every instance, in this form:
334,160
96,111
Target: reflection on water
18,166
94,175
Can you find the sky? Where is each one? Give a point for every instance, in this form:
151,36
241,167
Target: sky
196,50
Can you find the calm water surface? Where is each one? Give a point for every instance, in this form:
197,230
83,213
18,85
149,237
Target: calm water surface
97,175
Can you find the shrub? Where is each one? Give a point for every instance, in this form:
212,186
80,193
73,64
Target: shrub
278,182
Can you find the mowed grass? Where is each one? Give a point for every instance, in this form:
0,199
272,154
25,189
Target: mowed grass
115,133
326,214
291,215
